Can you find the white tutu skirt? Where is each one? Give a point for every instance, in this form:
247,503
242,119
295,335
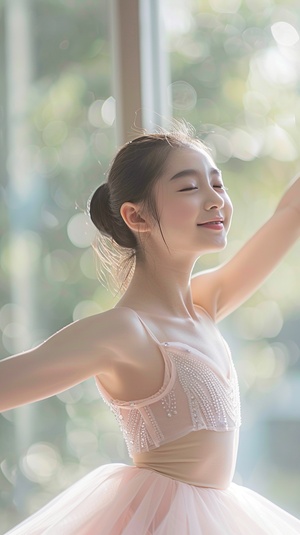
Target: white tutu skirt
117,499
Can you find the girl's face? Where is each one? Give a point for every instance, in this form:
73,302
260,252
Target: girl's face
192,203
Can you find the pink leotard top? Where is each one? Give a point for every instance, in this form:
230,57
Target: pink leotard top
188,430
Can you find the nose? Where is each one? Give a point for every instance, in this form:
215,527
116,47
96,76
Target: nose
213,200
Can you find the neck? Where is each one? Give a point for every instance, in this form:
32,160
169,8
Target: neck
161,287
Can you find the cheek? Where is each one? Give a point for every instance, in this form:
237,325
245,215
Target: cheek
173,209
178,212
228,210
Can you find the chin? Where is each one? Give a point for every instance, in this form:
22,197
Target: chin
215,248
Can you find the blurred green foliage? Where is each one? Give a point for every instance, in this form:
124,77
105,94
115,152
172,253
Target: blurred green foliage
235,78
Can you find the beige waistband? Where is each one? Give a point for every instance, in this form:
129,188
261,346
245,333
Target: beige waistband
202,458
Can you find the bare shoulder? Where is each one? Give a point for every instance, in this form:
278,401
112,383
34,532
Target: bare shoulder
130,365
114,330
105,344
136,367
94,342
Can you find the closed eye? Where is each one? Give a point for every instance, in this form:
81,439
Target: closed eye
216,186
188,189
221,186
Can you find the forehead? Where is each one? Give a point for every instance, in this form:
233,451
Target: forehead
188,158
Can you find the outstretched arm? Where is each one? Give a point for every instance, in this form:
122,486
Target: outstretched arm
73,354
222,290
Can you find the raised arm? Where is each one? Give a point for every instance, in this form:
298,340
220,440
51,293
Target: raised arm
82,349
223,289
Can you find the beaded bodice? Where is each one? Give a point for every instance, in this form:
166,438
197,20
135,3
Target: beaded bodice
195,395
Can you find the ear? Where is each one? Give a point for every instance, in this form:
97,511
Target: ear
133,217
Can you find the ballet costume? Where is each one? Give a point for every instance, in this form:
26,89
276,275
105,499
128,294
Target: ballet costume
183,442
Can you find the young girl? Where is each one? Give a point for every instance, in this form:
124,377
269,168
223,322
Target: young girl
158,357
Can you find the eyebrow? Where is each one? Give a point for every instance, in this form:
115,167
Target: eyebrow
189,172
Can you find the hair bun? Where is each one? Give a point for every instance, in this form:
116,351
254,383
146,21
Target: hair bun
100,211
108,223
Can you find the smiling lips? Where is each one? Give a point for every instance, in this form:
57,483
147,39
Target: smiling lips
217,224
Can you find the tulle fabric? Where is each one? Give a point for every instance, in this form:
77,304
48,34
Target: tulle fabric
117,499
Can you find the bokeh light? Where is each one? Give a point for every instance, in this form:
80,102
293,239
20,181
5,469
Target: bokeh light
182,96
108,111
41,462
225,6
86,308
81,231
284,33
235,75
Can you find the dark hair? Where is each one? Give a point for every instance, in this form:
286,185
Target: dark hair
131,178
133,173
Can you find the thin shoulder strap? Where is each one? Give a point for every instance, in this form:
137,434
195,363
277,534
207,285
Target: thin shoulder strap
151,334
145,326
